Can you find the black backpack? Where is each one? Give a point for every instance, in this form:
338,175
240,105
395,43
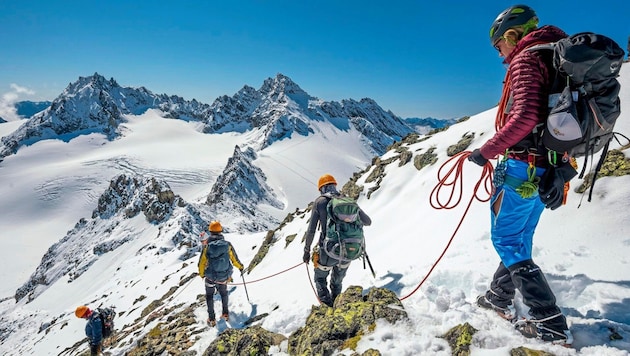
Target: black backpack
107,321
584,104
219,267
344,239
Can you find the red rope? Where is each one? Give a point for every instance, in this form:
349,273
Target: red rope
499,120
312,286
453,179
456,183
261,279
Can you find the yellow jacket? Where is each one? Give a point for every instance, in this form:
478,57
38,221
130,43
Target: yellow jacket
203,259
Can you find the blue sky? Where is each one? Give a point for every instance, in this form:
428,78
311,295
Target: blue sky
415,58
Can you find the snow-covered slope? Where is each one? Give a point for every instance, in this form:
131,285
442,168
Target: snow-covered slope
96,130
584,251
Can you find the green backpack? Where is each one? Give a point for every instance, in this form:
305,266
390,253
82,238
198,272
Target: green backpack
344,239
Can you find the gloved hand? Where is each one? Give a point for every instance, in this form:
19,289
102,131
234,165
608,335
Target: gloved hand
551,188
307,256
476,157
242,271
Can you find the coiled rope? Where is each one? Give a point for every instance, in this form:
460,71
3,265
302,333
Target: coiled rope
453,179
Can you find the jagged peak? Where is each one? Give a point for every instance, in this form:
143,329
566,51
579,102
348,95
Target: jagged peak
246,154
281,84
246,90
95,82
98,80
362,102
135,194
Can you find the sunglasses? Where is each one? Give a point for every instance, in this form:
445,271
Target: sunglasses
496,44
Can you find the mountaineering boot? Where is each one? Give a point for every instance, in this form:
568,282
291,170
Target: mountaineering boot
547,322
326,301
551,329
508,312
225,316
211,322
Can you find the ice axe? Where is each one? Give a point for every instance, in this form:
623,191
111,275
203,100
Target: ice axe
245,286
366,258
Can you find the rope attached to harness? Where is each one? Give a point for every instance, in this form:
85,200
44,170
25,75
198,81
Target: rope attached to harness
454,180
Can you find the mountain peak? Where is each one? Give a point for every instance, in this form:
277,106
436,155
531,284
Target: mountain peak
240,187
281,84
95,81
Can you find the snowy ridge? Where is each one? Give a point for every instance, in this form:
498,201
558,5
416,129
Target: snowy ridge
239,191
280,108
106,231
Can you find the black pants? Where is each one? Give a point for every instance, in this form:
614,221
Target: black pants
327,264
211,286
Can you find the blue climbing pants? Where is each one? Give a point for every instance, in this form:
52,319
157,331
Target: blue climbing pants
514,218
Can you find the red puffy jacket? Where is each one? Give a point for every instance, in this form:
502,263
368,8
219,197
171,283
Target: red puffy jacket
530,82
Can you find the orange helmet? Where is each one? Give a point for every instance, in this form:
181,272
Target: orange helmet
81,311
325,179
215,226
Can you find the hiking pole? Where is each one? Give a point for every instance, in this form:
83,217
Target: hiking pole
369,264
245,286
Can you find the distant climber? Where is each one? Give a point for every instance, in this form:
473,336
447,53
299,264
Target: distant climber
99,326
215,266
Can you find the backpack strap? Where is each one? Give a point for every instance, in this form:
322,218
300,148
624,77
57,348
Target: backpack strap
543,46
602,158
322,228
556,85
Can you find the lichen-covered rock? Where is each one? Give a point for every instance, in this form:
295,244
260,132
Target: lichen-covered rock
460,146
615,165
353,315
244,342
422,160
460,339
167,338
524,351
405,157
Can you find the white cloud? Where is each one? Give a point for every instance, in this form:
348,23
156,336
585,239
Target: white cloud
22,90
8,100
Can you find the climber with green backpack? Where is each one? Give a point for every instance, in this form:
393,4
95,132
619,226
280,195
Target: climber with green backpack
341,239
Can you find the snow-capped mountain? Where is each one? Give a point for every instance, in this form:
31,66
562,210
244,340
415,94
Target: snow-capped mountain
427,124
275,111
137,248
259,118
94,105
106,231
280,108
240,190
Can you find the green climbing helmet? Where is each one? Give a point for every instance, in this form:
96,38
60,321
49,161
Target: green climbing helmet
514,16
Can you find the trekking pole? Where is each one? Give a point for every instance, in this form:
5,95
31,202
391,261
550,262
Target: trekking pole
369,264
245,286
